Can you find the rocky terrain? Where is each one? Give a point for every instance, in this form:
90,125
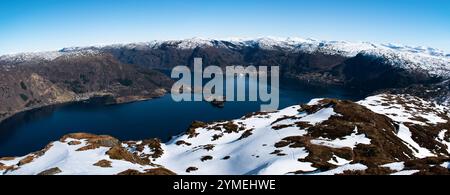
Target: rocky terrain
383,134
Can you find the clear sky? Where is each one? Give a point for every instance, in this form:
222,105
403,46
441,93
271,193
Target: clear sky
39,25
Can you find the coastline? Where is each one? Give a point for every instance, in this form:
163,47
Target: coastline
106,99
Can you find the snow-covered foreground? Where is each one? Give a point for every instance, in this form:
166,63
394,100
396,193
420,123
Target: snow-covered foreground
383,134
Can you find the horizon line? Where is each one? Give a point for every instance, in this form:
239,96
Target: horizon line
231,38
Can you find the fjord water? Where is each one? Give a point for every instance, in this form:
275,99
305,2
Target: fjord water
158,118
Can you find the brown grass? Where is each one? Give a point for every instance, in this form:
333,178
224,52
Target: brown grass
156,171
230,127
209,147
26,160
103,164
370,171
191,132
7,158
119,153
216,137
73,143
279,127
52,171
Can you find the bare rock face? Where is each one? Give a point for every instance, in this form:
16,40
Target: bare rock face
75,78
384,134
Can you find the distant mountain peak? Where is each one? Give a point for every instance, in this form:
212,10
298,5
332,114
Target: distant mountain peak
433,60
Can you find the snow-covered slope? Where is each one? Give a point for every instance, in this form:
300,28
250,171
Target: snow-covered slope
380,135
14,59
434,61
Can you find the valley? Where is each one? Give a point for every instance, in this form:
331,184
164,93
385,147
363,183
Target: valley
382,110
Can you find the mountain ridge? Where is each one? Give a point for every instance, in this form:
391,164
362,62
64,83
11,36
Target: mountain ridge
267,39
360,67
397,54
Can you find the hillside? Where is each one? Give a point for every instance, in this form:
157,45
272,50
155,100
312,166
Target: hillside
384,134
76,78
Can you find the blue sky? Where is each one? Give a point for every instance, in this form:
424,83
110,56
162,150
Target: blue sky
39,25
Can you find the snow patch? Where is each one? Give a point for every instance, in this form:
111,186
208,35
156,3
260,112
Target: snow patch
342,169
441,138
336,160
405,134
406,112
350,141
319,117
396,166
408,172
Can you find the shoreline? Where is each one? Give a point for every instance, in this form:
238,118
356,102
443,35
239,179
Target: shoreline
89,100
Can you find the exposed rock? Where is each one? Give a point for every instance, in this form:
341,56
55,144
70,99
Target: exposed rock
73,143
157,171
94,141
218,103
226,157
120,153
196,124
181,142
103,163
206,158
191,169
52,171
26,160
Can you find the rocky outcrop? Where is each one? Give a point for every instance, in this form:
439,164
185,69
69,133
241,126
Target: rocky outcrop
384,134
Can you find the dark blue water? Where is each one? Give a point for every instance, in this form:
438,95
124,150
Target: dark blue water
157,118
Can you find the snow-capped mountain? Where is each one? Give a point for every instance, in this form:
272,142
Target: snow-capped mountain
434,61
47,56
